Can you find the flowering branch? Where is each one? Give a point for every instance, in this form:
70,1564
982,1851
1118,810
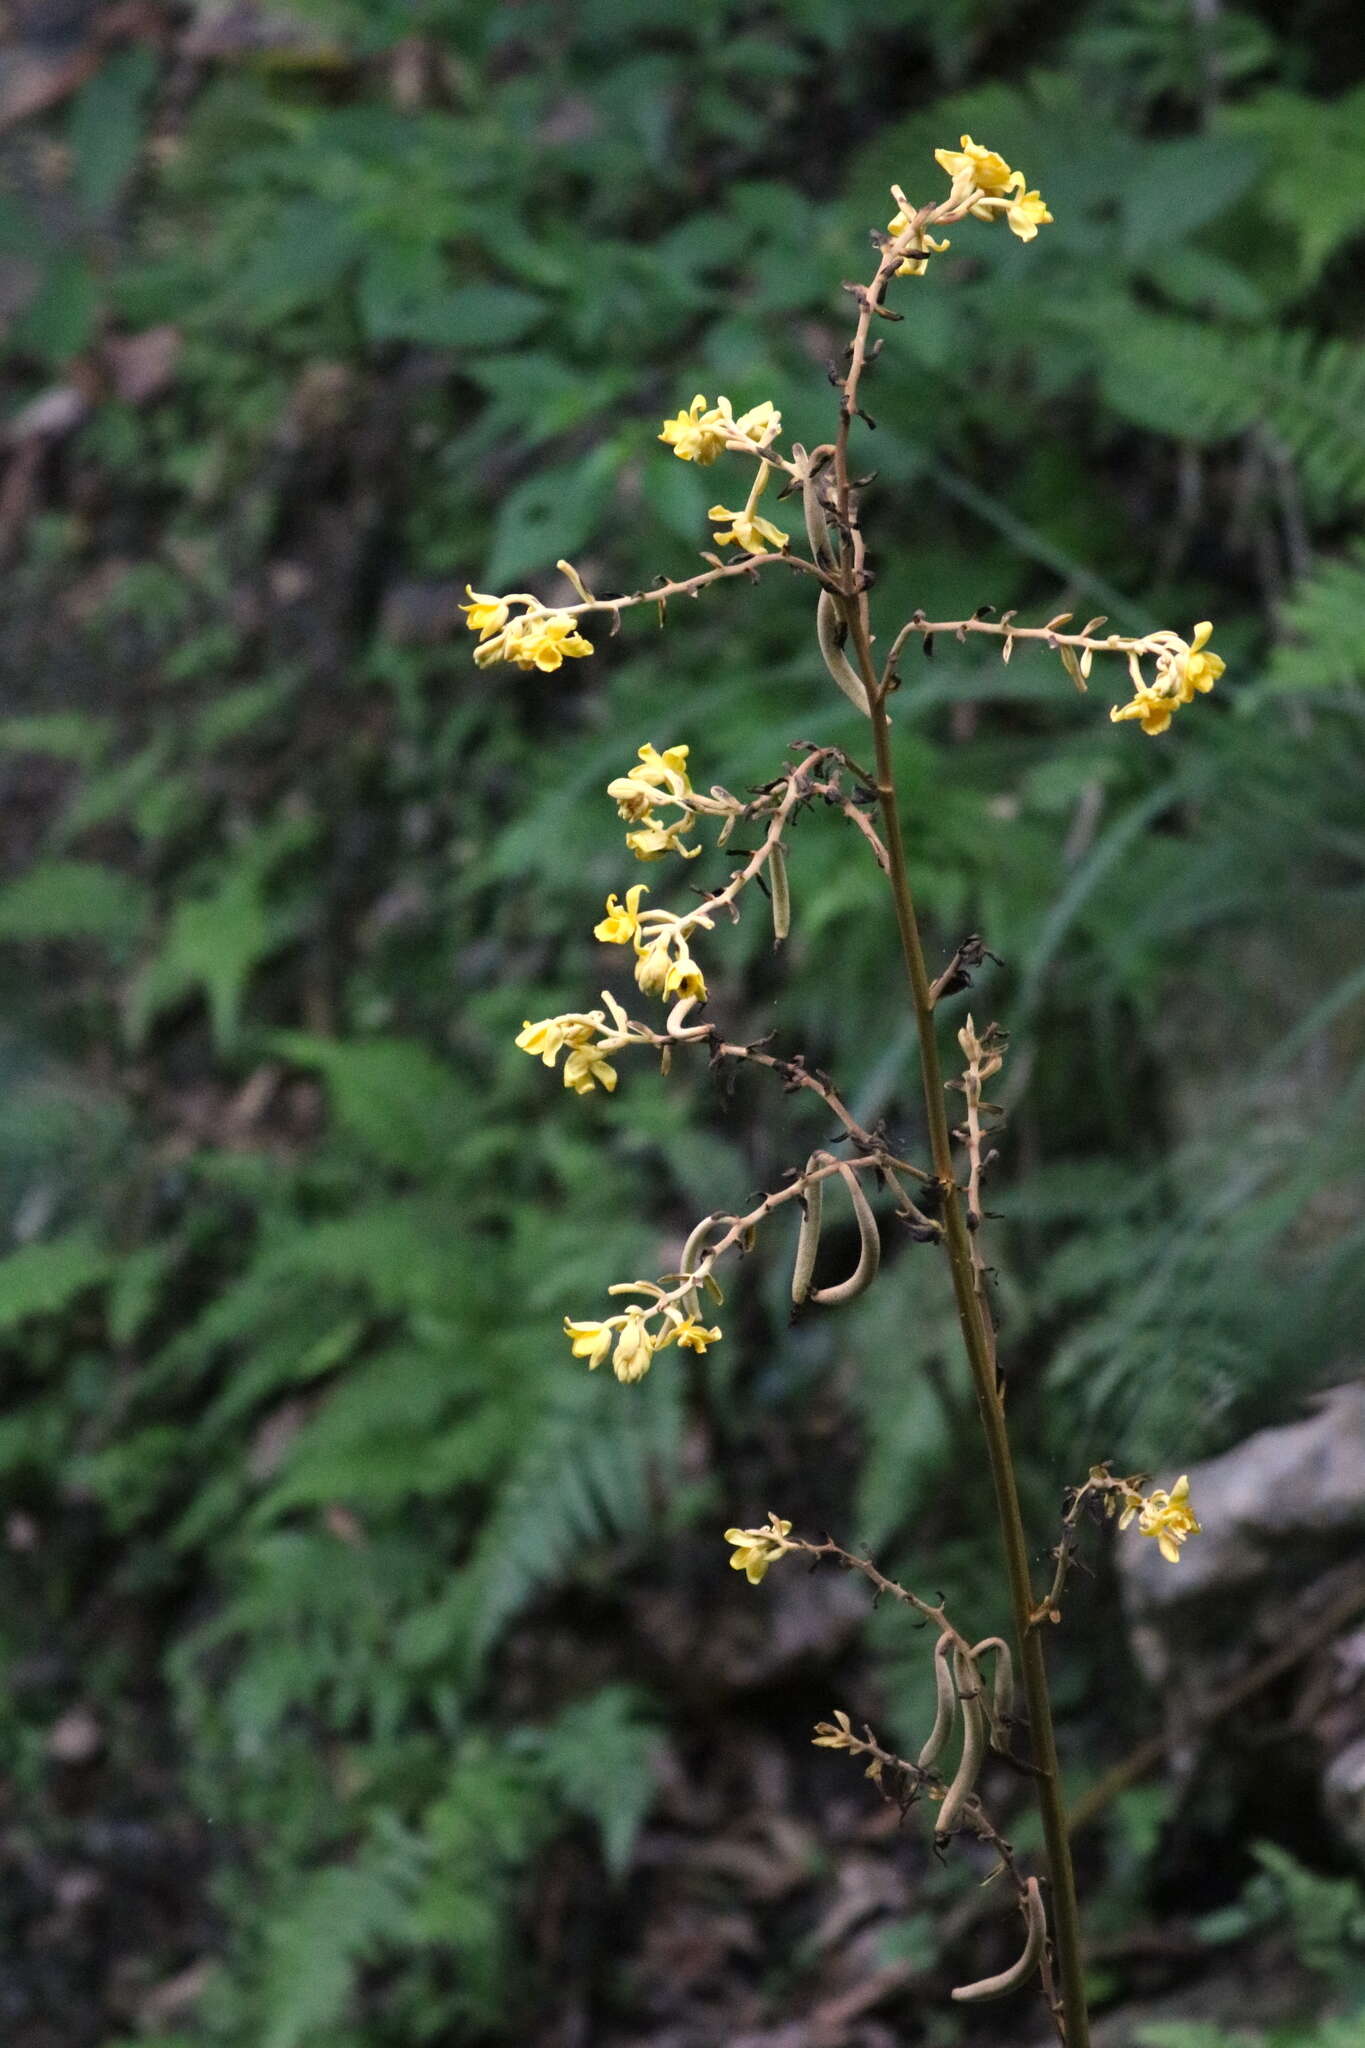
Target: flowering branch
656,800
901,1783
1167,1517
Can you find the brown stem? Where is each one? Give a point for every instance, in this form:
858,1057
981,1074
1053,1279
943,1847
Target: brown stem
979,1343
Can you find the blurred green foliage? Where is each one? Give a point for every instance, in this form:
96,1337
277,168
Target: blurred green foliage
293,1225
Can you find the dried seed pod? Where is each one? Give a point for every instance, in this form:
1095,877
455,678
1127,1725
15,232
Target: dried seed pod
836,661
869,1247
1035,1919
691,1254
808,1241
1072,666
781,892
973,1746
1002,1692
817,532
945,1697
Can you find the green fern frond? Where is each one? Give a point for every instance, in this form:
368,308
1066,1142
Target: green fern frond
1314,187
1324,627
1202,383
588,1473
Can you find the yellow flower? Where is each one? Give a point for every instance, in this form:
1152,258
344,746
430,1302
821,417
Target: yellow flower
691,1336
585,1067
989,172
697,435
590,1340
684,977
1189,667
542,640
1170,1518
655,774
915,263
652,963
654,840
486,614
700,434
635,1348
756,1549
746,528
1154,712
760,424
552,1034
748,531
1026,213
1182,668
668,769
622,921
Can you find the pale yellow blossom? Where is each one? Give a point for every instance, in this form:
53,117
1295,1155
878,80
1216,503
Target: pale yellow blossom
702,432
1183,668
1166,1516
757,1549
684,977
761,424
635,1348
1026,213
1169,1518
690,1335
589,1340
586,1067
622,920
1154,712
652,963
1191,668
548,1037
487,615
989,172
699,434
653,840
748,531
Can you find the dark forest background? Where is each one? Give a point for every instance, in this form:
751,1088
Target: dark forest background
373,1675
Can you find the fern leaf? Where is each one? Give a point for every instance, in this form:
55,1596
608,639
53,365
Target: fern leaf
586,1476
1203,383
1325,646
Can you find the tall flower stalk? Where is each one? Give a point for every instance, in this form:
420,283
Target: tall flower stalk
937,1201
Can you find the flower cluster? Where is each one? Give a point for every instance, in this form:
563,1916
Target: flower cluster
663,961
532,638
585,1035
657,778
983,179
1182,668
756,1549
703,432
1166,1516
633,1338
984,187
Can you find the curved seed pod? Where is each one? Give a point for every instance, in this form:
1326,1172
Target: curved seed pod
973,1747
817,533
1002,1692
808,1243
945,1696
691,1254
1018,1973
870,1247
781,891
677,1016
836,661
